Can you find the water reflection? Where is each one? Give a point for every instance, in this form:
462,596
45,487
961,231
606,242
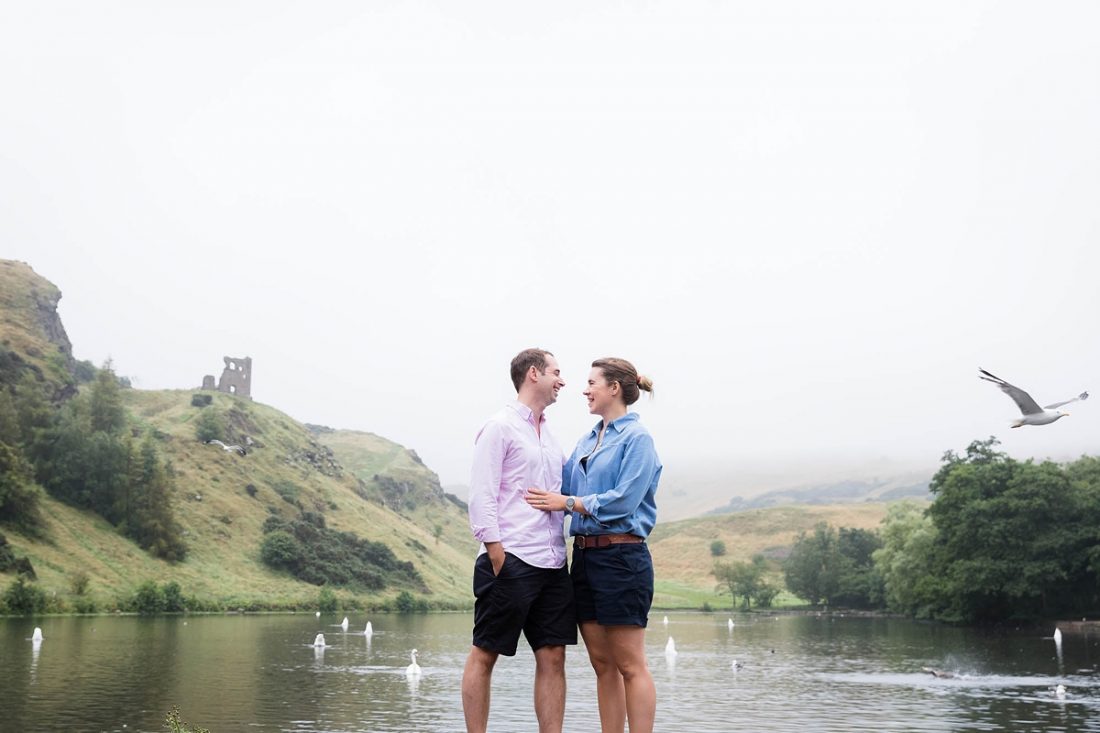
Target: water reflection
778,673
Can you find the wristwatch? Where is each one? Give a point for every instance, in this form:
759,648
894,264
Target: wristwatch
569,502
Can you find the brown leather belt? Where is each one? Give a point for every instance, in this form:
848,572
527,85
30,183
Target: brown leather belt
596,541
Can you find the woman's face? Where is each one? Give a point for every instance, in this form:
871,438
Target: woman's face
600,395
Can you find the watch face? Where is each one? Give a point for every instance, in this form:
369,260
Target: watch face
569,504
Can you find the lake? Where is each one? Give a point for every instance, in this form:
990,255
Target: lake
799,673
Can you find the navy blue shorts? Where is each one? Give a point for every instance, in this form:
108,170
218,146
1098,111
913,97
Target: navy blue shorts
536,601
613,586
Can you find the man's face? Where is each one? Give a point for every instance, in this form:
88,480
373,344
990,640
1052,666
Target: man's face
550,381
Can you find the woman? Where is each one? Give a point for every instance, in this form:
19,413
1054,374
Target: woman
609,484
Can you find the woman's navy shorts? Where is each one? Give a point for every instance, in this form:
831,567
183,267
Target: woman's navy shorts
613,585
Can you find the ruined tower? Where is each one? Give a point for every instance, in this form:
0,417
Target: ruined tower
236,377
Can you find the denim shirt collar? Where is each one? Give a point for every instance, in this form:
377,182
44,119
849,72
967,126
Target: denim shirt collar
617,425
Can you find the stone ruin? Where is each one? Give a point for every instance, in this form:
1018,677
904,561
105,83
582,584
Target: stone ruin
236,377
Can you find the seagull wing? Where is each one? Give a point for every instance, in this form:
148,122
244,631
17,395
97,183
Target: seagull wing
1081,397
1023,400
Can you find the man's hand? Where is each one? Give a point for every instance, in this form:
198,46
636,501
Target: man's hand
495,550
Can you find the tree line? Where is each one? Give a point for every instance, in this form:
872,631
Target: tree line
1002,540
85,452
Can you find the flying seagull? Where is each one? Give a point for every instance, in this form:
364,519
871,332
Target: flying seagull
1032,413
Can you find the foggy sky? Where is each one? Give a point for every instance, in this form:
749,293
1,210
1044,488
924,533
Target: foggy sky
809,223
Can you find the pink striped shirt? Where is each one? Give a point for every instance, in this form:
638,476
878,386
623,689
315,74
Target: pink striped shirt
509,458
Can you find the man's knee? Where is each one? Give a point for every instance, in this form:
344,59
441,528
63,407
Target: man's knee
550,658
481,660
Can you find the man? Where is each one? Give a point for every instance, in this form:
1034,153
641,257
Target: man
520,579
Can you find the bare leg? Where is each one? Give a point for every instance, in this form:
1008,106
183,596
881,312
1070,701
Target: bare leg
550,688
627,645
609,683
475,688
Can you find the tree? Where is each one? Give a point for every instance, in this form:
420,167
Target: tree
717,548
905,561
745,580
811,570
1014,539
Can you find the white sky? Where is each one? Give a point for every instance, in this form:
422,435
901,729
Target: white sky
808,222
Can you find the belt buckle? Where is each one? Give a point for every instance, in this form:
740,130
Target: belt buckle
581,542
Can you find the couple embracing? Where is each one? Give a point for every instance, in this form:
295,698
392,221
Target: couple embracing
522,487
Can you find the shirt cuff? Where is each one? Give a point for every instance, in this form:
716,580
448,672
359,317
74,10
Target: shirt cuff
487,534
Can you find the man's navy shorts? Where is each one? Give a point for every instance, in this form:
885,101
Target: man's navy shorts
536,601
613,586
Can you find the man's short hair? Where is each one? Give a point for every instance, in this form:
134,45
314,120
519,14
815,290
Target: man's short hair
524,361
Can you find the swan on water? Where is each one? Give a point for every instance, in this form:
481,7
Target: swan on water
318,614
319,640
1058,636
665,621
670,648
344,624
413,670
729,624
368,630
37,635
1060,691
735,665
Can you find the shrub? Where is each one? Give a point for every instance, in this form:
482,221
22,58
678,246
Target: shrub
287,490
79,583
173,598
149,599
24,597
717,548
281,550
327,601
84,605
250,489
209,426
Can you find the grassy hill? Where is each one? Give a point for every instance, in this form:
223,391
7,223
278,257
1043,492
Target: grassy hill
289,472
383,494
682,557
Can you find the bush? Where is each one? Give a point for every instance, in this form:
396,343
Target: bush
209,426
149,599
79,583
24,597
281,550
717,548
201,400
173,598
287,490
251,489
327,601
84,605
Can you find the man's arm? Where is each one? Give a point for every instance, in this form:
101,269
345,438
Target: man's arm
489,449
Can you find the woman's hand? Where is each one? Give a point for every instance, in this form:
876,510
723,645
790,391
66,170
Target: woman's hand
545,500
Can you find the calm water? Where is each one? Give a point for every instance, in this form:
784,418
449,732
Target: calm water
800,673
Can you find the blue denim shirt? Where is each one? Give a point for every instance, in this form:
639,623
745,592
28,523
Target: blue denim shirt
619,483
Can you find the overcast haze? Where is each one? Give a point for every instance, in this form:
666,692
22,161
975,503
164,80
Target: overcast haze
810,223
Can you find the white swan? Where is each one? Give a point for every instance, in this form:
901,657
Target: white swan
665,621
37,635
729,624
1060,691
319,640
318,614
735,665
670,648
344,624
413,670
369,630
1057,637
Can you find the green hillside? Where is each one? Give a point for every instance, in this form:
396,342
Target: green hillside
681,550
222,499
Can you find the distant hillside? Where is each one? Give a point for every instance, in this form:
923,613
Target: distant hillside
839,492
222,499
682,550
